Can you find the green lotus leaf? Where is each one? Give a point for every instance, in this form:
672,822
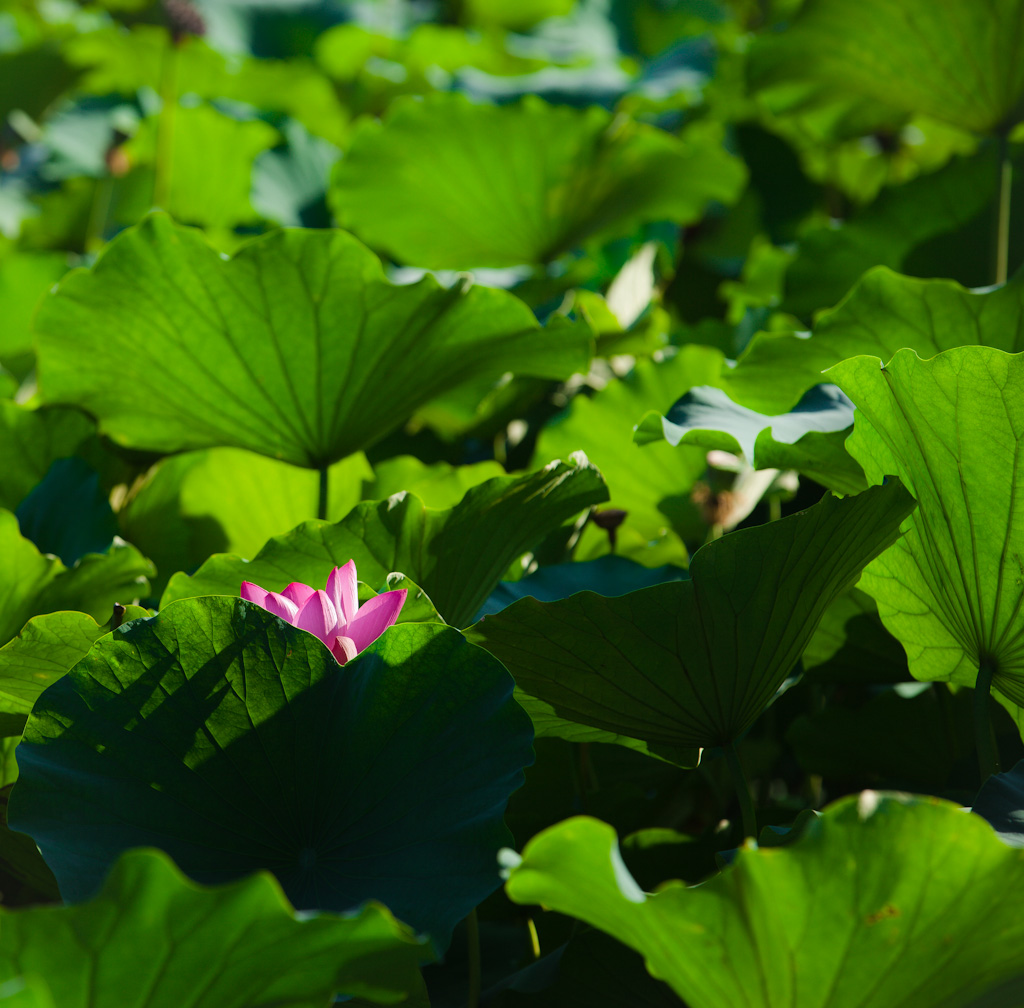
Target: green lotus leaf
210,166
296,348
229,500
457,556
607,575
885,900
1000,802
951,590
691,664
32,583
809,438
151,938
68,512
22,992
883,313
851,645
895,230
437,484
234,741
24,278
47,647
122,61
653,484
31,440
446,184
956,62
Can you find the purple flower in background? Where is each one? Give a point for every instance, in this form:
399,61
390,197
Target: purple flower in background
334,615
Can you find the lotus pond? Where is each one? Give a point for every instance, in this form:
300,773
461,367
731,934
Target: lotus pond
511,503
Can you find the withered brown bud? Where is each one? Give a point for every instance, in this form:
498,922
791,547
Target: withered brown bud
183,19
715,507
609,519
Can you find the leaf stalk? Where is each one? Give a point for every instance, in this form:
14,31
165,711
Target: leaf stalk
739,779
988,754
324,485
1002,236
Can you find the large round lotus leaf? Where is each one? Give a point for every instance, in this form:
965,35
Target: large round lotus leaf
446,184
297,348
883,313
152,939
235,742
952,589
691,664
958,60
883,902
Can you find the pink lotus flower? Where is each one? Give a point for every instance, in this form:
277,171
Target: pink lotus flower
334,615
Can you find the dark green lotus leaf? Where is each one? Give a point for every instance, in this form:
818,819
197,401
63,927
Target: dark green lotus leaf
235,742
31,440
885,900
956,61
692,664
1000,802
33,76
457,556
67,513
151,938
46,649
951,590
890,232
652,485
607,575
32,584
446,184
851,645
297,348
883,313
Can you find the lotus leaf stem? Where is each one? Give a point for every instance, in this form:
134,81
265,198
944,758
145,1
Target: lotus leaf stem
321,505
988,754
1002,243
739,780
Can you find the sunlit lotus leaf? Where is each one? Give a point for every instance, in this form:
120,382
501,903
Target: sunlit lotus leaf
297,348
956,61
952,428
888,901
151,938
883,313
446,184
